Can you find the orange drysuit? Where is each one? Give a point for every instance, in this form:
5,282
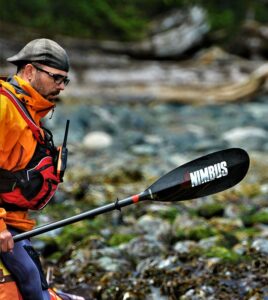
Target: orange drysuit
17,143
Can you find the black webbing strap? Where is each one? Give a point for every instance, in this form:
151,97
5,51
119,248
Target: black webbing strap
7,181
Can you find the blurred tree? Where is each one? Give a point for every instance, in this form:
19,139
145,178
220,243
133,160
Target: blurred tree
119,19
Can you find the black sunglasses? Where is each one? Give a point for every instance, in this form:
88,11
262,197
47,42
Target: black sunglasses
58,79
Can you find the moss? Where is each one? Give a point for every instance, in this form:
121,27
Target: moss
223,253
120,238
229,239
260,217
210,210
78,231
246,233
255,218
72,233
55,256
251,190
196,233
169,214
58,211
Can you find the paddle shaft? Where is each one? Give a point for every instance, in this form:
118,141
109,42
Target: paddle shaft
88,214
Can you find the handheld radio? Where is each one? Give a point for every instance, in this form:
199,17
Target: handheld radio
63,154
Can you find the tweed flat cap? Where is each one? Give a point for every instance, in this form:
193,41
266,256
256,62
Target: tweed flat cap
44,51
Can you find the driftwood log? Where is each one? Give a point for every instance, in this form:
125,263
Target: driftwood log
126,85
219,94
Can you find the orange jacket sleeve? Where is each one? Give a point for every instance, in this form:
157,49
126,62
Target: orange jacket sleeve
2,219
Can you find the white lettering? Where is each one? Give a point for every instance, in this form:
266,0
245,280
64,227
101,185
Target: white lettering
224,169
209,173
204,175
194,178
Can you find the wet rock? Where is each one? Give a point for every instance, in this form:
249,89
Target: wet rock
143,247
210,242
144,150
202,293
111,252
185,247
232,211
75,264
250,138
156,294
154,227
186,228
260,245
97,140
113,265
241,248
157,262
226,224
179,32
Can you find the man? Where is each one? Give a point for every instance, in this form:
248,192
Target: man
42,69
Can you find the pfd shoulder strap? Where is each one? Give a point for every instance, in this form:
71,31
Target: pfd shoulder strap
25,114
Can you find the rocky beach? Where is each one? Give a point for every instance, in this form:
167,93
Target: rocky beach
209,248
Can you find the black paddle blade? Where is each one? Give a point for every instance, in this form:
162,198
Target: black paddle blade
204,176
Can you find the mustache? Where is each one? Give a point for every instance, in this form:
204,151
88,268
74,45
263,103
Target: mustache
56,93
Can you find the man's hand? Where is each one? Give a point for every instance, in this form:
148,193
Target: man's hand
6,241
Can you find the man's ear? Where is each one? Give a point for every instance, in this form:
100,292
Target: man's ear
28,72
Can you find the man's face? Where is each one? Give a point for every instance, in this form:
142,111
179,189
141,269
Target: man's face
48,81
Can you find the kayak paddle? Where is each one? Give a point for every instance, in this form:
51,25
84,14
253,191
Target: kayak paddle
201,177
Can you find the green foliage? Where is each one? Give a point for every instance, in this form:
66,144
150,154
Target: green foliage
224,19
229,15
119,19
94,19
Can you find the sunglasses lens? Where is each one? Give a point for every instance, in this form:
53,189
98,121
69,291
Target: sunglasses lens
61,79
66,81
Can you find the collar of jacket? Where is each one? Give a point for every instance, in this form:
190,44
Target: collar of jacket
28,95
